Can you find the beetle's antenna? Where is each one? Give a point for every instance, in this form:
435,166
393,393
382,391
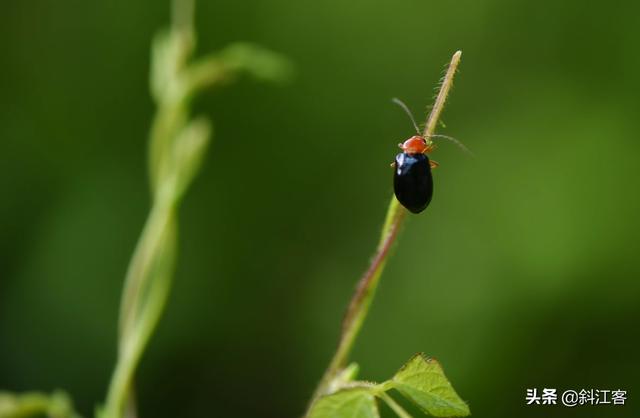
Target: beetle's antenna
455,141
406,109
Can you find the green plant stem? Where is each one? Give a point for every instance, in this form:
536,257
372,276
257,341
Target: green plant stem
177,146
363,296
150,242
445,86
154,254
365,291
149,276
400,412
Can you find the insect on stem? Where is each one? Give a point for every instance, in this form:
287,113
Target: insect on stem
363,296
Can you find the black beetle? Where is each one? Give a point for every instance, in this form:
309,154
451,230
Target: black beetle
412,180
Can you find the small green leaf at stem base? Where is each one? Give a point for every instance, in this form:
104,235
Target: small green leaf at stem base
347,403
422,381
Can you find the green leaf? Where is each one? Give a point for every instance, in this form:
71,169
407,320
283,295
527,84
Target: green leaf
56,405
349,373
346,403
257,61
422,381
189,150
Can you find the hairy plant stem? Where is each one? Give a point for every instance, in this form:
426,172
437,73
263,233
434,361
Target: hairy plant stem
445,86
365,291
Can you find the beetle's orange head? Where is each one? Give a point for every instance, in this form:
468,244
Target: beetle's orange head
415,145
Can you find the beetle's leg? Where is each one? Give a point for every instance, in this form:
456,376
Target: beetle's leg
433,164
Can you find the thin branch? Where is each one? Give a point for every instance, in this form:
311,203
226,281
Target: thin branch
400,412
438,106
365,290
182,13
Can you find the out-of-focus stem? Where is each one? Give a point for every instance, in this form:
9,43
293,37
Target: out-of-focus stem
153,260
149,276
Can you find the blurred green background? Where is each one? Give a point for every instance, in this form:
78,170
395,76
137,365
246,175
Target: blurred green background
522,273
